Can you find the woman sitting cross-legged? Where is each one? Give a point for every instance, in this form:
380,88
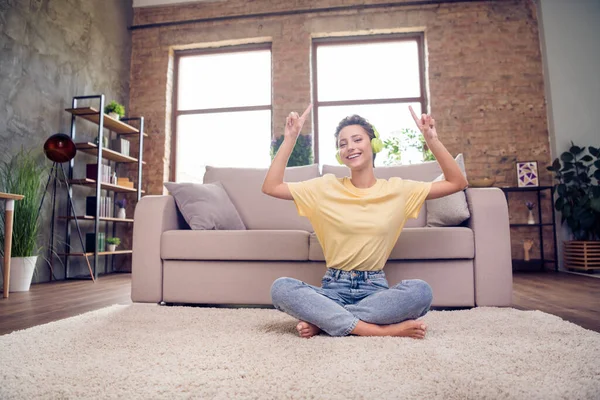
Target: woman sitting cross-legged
358,220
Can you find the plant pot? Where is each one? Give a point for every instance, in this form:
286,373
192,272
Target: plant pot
21,273
114,115
121,213
581,255
112,247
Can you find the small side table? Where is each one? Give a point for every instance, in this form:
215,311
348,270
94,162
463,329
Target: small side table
540,225
9,200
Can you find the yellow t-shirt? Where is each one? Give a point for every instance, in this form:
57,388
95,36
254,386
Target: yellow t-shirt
358,228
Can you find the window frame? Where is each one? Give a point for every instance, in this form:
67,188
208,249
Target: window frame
179,54
364,39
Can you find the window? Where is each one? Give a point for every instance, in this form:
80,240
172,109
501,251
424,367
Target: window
223,110
374,77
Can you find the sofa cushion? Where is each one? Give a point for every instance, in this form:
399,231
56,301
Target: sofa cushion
425,172
205,206
420,243
449,210
258,210
282,245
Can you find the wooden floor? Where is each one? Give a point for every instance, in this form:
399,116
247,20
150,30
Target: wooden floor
572,297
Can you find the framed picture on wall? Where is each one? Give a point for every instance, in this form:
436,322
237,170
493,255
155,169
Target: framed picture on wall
527,174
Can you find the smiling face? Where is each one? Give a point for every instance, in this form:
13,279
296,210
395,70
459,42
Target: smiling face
354,146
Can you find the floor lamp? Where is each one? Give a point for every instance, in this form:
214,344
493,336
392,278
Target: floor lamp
59,148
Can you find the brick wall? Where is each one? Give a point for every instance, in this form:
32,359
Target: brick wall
484,72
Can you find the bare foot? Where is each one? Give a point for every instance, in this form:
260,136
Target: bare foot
410,328
307,330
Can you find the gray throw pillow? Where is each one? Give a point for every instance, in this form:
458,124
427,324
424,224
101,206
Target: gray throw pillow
450,210
205,206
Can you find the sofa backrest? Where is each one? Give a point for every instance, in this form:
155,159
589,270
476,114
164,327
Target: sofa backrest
257,210
425,172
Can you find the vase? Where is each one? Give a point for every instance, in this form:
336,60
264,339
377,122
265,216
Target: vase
530,219
121,213
112,247
114,115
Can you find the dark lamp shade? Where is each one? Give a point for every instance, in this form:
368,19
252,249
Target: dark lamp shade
60,148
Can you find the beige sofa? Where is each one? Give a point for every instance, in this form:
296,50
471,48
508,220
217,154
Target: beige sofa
467,265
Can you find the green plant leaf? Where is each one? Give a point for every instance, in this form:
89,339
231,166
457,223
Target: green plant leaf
568,166
575,150
587,158
561,189
595,204
568,177
566,157
597,174
594,151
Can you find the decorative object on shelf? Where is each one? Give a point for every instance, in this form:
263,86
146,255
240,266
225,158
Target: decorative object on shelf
23,174
527,245
530,219
527,174
483,182
121,205
104,141
52,149
113,178
113,242
578,200
115,110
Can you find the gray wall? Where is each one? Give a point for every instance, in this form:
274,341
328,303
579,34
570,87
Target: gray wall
569,33
50,51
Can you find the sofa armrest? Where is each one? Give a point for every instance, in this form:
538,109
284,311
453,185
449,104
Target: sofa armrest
153,216
493,259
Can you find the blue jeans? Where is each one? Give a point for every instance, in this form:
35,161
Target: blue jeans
346,297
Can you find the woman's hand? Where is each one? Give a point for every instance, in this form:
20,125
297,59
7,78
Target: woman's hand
294,123
426,125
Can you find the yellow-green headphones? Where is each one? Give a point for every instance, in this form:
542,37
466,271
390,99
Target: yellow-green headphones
376,145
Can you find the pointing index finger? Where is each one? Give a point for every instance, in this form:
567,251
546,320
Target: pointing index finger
307,111
417,119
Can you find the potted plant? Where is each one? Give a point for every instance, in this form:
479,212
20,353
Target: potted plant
115,110
113,242
23,174
578,200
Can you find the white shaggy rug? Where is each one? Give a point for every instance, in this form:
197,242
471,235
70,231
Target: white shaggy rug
144,351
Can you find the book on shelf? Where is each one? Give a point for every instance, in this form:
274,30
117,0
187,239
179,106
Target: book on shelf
91,172
120,145
106,206
90,242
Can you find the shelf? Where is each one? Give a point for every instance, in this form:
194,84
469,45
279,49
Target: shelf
92,218
91,114
91,148
533,225
103,185
100,253
524,189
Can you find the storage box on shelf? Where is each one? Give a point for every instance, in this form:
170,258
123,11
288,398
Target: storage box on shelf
102,176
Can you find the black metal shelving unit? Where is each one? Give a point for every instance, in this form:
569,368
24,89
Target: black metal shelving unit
116,128
540,225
